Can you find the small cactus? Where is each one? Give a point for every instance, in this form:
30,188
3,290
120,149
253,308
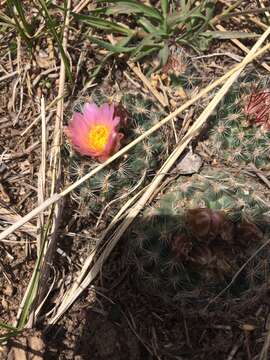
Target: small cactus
198,234
115,183
240,132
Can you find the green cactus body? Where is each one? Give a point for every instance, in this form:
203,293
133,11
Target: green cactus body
234,138
133,170
194,253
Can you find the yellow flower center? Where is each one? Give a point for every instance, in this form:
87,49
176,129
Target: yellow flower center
98,137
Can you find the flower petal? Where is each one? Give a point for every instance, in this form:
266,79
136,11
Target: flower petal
78,123
113,144
106,113
78,129
91,113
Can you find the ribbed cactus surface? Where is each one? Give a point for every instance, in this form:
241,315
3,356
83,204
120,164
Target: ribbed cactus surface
199,233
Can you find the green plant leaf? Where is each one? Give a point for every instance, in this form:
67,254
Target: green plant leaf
98,68
229,34
145,47
179,17
149,27
11,334
164,7
115,49
195,46
209,10
32,288
103,24
20,23
163,55
26,26
144,53
7,327
133,7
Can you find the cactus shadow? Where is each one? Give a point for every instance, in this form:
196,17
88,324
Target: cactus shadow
198,254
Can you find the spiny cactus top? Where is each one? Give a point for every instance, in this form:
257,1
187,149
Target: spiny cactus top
240,132
198,234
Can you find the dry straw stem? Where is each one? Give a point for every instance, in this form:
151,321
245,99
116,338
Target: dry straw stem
56,197
260,174
41,217
162,99
7,76
42,174
193,131
55,215
236,347
143,78
242,46
81,5
69,295
55,156
9,217
251,17
263,7
51,104
38,282
127,194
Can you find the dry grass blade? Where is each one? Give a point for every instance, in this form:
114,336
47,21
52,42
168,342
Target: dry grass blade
162,99
243,47
38,286
56,197
251,17
55,155
7,76
263,7
235,348
147,83
34,122
260,175
42,173
23,220
132,326
89,259
82,4
55,216
11,218
135,210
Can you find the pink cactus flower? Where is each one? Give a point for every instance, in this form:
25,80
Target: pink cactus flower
95,132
